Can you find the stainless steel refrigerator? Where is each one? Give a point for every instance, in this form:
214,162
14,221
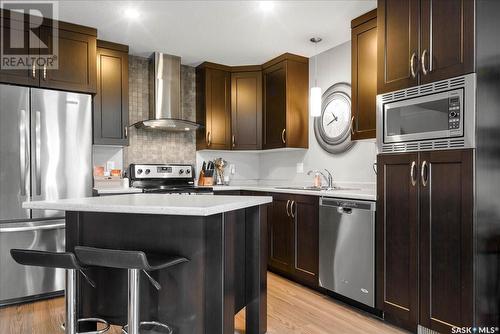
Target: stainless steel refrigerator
45,154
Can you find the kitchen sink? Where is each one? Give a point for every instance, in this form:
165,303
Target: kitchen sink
316,188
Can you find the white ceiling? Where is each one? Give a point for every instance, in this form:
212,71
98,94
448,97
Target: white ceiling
226,32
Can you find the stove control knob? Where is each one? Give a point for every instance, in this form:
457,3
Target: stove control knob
181,171
147,171
188,171
139,171
453,114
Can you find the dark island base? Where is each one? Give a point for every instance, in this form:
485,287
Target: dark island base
226,271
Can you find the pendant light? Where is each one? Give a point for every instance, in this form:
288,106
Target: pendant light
315,95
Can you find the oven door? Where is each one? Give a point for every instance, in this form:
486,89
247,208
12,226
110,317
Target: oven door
428,117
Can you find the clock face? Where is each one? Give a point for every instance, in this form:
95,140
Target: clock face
335,119
333,128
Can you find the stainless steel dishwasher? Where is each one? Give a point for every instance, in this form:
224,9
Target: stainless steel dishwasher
347,248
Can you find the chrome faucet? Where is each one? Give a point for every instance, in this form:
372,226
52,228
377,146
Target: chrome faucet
328,179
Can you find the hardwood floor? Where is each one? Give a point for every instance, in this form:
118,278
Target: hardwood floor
292,309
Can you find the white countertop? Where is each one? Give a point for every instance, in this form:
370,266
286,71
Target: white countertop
160,204
367,194
117,190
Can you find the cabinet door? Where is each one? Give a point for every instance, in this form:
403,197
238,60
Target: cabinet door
218,112
304,211
364,76
397,238
15,36
280,227
446,234
447,39
111,101
275,106
397,25
246,110
77,63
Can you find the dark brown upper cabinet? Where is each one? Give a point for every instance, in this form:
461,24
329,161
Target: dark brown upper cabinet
246,110
293,225
17,30
111,117
421,41
213,107
364,75
425,239
286,110
76,56
447,39
397,44
77,61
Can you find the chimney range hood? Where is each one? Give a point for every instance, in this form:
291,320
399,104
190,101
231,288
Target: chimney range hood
165,112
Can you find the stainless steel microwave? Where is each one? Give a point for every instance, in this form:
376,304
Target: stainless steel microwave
433,116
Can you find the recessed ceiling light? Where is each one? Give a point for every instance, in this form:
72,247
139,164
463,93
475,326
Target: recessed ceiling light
266,6
131,13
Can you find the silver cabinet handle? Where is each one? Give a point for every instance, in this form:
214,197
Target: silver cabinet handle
23,150
209,138
413,59
413,171
33,70
44,72
287,208
233,141
293,208
423,174
32,228
352,125
283,139
38,172
425,71
125,131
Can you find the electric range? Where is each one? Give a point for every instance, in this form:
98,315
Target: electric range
165,179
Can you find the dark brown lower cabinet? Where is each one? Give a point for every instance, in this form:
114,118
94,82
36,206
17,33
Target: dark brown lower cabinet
280,236
397,239
446,206
293,237
424,239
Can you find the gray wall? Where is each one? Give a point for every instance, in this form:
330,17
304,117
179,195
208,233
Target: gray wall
153,146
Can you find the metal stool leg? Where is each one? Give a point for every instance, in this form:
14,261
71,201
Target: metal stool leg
133,301
71,321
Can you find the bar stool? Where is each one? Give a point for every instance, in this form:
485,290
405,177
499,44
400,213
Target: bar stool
134,262
68,262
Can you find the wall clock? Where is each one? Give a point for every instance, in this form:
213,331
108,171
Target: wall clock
333,127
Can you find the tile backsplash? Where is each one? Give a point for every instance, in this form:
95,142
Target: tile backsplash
156,146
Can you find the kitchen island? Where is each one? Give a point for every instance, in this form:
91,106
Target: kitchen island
224,238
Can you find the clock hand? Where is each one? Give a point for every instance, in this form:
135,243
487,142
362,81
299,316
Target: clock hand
333,120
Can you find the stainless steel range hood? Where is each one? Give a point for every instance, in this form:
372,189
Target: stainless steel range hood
165,112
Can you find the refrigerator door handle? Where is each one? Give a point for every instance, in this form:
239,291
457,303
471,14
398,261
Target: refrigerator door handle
38,172
23,151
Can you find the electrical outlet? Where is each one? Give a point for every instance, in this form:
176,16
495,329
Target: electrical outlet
300,168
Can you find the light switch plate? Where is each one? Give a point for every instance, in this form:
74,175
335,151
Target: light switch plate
300,168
